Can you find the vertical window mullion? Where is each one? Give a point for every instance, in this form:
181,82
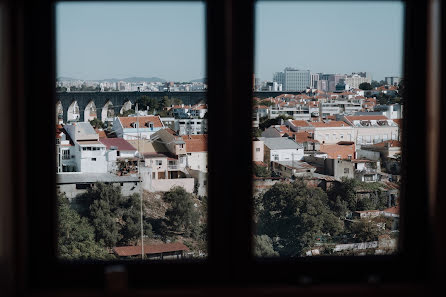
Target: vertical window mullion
230,68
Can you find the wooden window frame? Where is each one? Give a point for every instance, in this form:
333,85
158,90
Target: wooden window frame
229,57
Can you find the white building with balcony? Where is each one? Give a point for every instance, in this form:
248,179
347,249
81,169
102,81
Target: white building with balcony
89,152
372,129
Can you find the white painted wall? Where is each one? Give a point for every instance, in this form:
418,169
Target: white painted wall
287,155
258,150
333,135
197,161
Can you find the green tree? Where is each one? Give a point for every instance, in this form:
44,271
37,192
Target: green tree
375,84
107,229
365,86
128,112
131,220
261,171
364,231
76,238
145,101
346,192
256,132
263,246
182,216
115,218
296,215
97,123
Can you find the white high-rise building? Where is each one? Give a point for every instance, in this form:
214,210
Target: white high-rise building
293,79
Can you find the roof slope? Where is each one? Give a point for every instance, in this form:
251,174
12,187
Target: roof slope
127,121
124,251
120,143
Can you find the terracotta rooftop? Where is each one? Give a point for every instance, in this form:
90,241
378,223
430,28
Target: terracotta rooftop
300,123
101,133
329,124
127,121
196,143
394,209
366,118
399,122
125,251
391,143
120,143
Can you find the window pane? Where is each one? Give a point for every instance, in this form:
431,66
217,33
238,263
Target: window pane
328,108
131,118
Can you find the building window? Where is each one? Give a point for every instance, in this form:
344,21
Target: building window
346,170
93,159
159,162
257,149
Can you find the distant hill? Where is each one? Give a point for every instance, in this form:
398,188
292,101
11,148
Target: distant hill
136,79
62,78
199,80
128,79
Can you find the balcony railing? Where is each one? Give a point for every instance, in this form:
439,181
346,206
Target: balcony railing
175,167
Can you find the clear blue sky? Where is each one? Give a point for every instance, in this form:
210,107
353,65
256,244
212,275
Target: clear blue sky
340,37
117,40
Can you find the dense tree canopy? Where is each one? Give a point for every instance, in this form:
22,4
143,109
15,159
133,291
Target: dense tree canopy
182,215
114,217
76,239
365,86
296,215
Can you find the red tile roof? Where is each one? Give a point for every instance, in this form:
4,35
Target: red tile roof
335,150
329,124
391,143
101,133
301,137
300,123
196,143
399,122
127,121
366,118
394,209
125,251
120,143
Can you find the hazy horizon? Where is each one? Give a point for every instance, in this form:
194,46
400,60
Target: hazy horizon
97,41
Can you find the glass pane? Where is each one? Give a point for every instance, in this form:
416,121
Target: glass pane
328,109
131,118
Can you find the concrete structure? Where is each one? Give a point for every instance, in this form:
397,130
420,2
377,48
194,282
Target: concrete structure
75,183
355,80
392,80
298,113
137,127
339,168
293,79
110,103
89,153
190,126
392,111
281,149
65,151
372,129
196,150
258,150
291,169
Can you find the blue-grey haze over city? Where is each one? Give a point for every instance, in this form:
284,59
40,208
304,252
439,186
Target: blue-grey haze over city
167,40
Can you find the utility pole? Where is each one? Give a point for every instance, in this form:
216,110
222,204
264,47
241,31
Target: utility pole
140,182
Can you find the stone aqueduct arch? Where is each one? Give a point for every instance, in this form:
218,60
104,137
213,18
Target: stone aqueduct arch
81,106
90,111
107,112
73,113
